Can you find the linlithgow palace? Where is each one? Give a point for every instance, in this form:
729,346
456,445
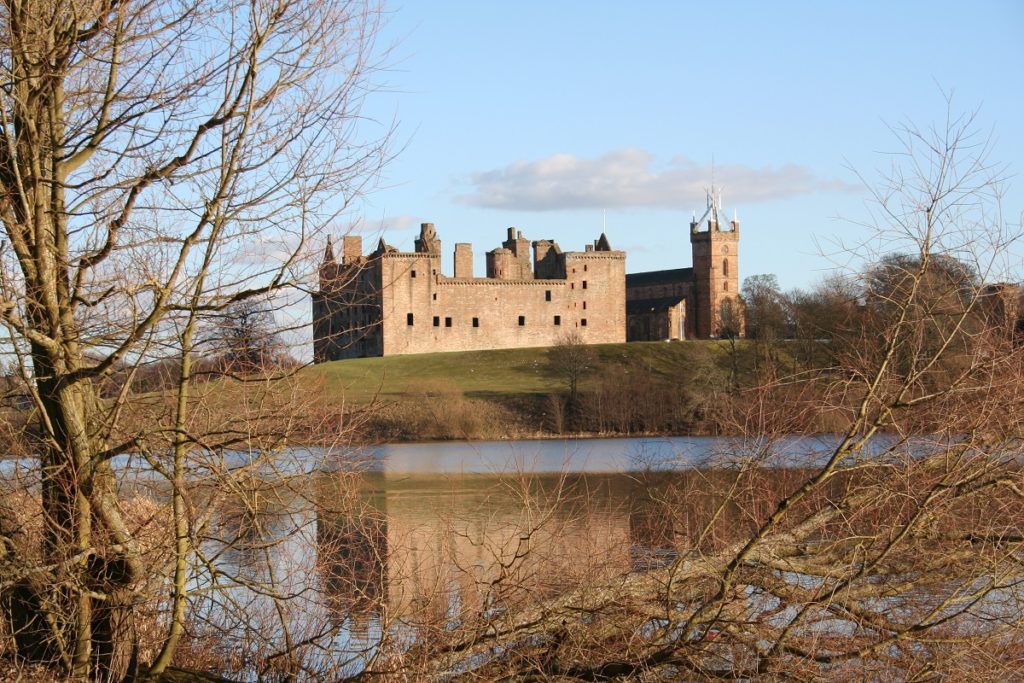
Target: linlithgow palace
391,302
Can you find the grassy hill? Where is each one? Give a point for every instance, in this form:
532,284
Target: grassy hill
508,373
691,387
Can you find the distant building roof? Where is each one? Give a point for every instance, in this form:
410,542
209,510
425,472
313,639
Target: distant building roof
659,277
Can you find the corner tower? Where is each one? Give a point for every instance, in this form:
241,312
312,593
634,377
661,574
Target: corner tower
717,310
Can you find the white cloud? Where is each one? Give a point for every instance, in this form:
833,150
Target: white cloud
634,178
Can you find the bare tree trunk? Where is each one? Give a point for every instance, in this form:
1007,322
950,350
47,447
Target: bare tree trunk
129,165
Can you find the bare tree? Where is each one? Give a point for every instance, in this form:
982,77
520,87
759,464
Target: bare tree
823,318
152,154
572,359
244,338
767,314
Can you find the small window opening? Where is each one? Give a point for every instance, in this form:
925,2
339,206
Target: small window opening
522,320
725,286
584,305
558,320
583,322
584,284
725,267
435,296
476,322
584,267
408,319
437,321
413,274
447,322
547,295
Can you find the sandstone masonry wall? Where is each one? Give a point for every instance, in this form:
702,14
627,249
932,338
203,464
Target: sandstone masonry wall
391,302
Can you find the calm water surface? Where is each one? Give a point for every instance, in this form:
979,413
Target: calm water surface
443,529
400,531
620,455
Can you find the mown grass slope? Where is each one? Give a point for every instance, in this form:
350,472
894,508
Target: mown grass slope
508,373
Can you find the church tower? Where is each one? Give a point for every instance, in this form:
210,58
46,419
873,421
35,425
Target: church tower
717,308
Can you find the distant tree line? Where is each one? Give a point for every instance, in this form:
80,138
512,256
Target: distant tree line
814,326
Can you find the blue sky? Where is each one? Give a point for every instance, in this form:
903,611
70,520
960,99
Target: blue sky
561,117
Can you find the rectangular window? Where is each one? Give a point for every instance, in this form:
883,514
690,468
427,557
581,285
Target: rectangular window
584,305
522,320
572,285
447,322
413,274
583,322
435,296
547,295
437,321
584,270
558,320
476,322
408,319
584,284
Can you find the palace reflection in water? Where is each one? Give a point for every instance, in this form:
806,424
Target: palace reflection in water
442,547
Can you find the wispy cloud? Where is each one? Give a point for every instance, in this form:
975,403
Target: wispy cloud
389,224
634,178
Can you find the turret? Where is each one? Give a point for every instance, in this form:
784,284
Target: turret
328,266
428,242
502,264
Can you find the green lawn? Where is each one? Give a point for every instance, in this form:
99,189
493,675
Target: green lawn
501,373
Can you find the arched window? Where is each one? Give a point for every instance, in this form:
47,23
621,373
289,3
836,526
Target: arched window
725,267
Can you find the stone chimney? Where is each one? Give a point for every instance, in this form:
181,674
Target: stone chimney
520,247
352,249
464,260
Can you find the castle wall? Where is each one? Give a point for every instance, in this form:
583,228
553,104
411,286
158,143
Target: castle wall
450,314
665,320
347,312
548,261
661,290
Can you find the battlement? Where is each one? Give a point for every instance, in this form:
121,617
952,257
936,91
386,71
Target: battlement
713,228
509,262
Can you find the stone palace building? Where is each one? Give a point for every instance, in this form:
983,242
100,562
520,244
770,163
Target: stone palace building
390,302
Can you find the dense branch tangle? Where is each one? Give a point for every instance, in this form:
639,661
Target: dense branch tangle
142,144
